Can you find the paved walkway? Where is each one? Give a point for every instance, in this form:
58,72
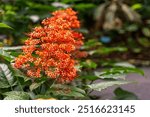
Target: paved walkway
141,89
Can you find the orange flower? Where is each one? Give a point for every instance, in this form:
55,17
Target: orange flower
49,49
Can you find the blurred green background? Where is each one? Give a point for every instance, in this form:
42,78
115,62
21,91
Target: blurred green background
114,30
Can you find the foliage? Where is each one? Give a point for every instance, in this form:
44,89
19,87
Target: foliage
98,70
20,15
117,72
16,85
6,77
106,84
121,94
16,95
2,25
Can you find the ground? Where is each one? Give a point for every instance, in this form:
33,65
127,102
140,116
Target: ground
141,89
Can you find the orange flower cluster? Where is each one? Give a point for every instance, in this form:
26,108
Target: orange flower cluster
50,47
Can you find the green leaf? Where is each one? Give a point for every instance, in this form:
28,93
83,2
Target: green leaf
83,7
88,77
16,95
107,50
88,64
2,25
4,84
37,6
32,95
118,72
144,42
146,32
35,85
44,97
91,43
136,6
104,85
70,1
66,90
6,77
136,50
78,67
73,88
124,64
18,73
121,94
12,48
15,54
108,75
6,55
132,28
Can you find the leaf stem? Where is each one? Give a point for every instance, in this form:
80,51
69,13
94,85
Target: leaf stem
52,84
19,84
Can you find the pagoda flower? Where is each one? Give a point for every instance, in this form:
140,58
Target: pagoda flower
50,49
